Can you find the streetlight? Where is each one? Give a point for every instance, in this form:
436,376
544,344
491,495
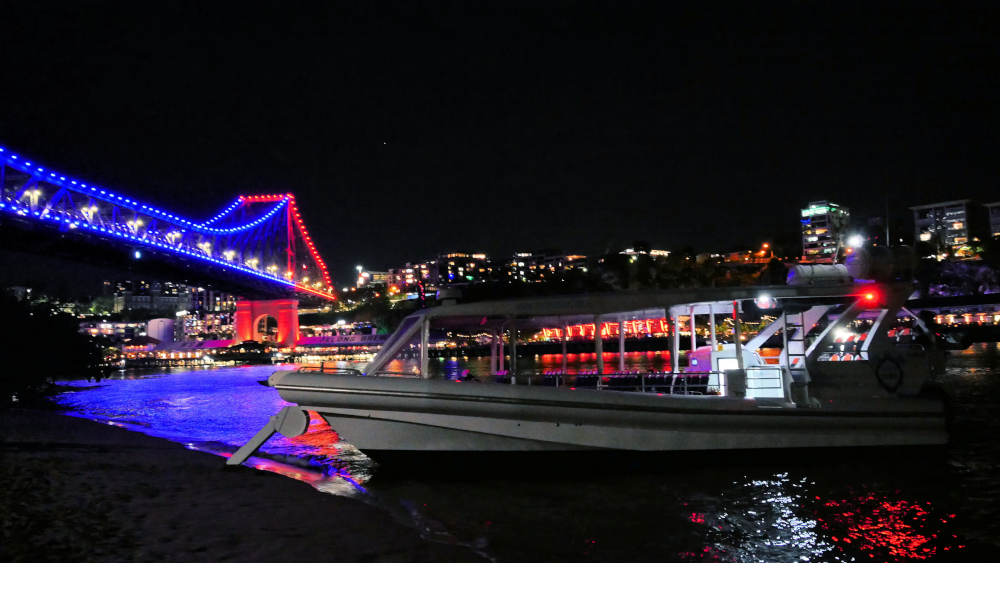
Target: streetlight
855,240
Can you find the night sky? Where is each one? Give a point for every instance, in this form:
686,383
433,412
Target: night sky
407,131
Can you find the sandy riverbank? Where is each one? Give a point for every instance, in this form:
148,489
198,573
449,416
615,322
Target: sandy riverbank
76,490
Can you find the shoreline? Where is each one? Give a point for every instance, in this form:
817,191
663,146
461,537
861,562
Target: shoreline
75,490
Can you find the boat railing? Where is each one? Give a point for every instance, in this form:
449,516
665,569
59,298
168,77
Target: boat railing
662,382
388,373
328,369
336,370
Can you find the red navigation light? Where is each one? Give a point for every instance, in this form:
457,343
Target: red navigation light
870,296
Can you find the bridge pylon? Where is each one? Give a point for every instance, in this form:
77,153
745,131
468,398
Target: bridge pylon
251,313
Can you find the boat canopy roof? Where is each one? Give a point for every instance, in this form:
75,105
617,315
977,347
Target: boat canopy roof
557,311
612,306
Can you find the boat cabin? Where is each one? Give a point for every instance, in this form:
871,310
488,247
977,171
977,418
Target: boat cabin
799,331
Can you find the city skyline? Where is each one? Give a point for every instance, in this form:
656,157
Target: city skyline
502,282
404,137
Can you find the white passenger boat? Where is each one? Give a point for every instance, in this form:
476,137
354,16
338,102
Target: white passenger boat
832,377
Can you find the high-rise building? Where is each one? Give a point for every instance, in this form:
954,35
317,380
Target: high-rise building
954,226
824,227
994,216
199,312
156,296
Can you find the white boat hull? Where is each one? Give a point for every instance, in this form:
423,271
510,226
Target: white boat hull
393,414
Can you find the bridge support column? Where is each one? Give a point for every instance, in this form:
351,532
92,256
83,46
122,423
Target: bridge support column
250,312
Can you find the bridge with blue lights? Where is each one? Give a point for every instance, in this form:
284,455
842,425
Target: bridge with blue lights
256,237
260,242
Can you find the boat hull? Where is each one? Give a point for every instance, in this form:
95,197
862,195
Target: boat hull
407,415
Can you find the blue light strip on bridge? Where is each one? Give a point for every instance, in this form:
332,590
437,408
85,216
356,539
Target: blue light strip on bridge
80,187
104,231
224,212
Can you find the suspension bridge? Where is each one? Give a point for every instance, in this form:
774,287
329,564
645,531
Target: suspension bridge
260,242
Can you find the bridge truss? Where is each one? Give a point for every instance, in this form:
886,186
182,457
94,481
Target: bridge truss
260,237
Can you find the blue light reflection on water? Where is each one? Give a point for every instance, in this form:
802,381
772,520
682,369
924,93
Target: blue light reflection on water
845,510
217,410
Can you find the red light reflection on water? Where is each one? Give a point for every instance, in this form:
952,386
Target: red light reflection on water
884,529
318,434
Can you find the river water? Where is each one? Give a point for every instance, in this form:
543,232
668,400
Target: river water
938,505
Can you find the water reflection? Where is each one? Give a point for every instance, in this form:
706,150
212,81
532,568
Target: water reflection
217,410
786,509
782,519
762,520
885,529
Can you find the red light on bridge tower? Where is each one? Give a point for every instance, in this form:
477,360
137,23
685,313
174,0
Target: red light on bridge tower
293,223
250,312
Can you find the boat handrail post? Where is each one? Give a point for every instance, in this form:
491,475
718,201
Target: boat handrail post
691,324
513,352
493,353
737,335
784,339
599,349
711,324
500,348
736,382
675,347
425,338
565,334
621,345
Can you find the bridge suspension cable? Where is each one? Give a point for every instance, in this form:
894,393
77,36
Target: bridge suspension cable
260,236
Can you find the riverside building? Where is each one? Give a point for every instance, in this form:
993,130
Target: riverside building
993,209
541,266
824,227
448,268
953,226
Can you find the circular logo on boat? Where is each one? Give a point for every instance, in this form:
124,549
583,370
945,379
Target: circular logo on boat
889,374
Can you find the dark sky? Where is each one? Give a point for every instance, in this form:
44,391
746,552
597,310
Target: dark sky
408,131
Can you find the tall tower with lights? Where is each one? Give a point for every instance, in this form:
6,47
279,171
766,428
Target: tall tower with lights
824,226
